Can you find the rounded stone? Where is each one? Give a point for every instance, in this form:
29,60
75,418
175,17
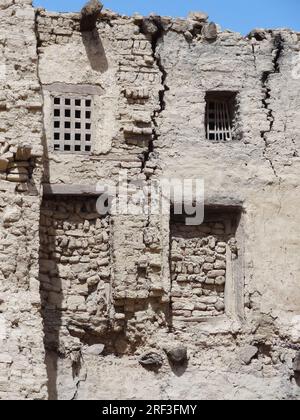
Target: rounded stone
198,16
210,31
151,359
220,306
177,354
95,350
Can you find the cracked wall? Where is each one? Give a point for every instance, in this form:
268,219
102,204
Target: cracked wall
98,298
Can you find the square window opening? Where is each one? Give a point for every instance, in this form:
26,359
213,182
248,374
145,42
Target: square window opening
220,116
68,126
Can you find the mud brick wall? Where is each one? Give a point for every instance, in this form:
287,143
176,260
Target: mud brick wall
75,270
79,309
22,369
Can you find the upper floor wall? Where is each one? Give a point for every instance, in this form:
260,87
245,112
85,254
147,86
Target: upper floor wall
148,80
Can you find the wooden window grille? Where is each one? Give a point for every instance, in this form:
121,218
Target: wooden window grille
220,109
72,124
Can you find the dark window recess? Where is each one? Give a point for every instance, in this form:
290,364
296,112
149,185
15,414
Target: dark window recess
70,134
220,115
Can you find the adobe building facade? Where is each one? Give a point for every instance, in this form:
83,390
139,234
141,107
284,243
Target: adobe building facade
144,306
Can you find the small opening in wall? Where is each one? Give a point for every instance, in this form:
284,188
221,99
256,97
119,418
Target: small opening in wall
68,125
220,115
56,147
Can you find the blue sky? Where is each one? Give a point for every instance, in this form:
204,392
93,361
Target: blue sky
237,15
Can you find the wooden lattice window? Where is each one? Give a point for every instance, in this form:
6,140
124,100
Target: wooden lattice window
220,115
72,124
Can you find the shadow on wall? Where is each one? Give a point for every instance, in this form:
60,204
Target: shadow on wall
50,288
95,51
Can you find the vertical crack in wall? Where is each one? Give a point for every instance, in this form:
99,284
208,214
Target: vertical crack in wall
45,178
156,37
77,386
278,50
254,56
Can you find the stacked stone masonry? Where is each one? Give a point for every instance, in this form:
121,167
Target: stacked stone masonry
199,260
75,265
88,301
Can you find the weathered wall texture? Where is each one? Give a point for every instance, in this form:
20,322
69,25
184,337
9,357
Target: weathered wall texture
84,298
22,368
